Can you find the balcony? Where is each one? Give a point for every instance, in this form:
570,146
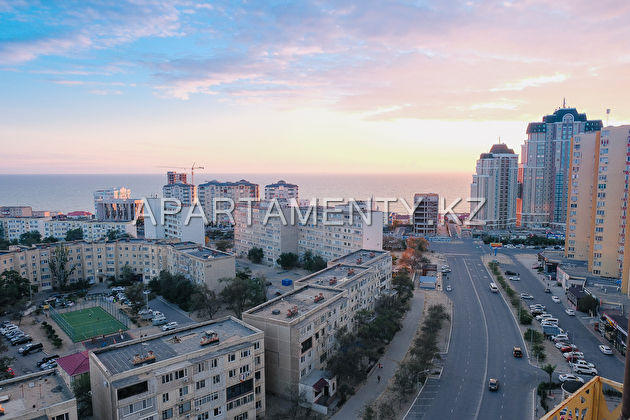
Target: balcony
588,403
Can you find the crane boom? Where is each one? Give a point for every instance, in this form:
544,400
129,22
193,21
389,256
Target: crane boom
192,170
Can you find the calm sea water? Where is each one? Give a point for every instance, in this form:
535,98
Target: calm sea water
67,193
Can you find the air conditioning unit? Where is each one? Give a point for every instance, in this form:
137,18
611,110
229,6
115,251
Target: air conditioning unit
185,380
187,416
198,409
181,398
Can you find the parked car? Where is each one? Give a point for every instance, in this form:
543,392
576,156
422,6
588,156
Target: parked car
514,278
47,359
510,273
170,326
570,312
583,369
561,344
605,349
493,385
559,337
22,340
49,365
30,348
556,299
526,296
449,288
11,372
570,377
568,348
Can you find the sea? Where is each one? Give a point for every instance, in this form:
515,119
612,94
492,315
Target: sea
66,193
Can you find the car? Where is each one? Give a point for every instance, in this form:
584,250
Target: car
449,288
5,323
526,296
581,362
10,372
493,385
30,348
577,354
510,273
22,340
559,337
568,348
543,316
570,312
583,369
47,359
605,349
517,352
547,290
158,314
556,299
49,365
14,333
537,305
561,344
514,278
170,326
570,377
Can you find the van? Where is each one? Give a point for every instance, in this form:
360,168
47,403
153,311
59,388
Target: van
159,320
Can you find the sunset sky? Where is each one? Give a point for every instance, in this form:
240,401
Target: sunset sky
305,86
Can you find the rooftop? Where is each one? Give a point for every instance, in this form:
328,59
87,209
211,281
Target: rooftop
174,343
303,298
336,276
360,257
75,364
202,252
34,392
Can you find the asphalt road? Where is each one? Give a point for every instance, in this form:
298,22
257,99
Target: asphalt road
607,366
483,335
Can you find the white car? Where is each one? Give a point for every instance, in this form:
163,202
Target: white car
514,278
556,299
570,312
449,288
584,369
605,349
570,377
169,326
526,296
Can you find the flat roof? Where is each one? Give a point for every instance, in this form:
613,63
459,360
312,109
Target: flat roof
41,389
203,252
167,345
366,255
339,274
303,298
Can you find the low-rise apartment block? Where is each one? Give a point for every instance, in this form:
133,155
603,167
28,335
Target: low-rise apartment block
300,326
210,370
16,211
36,396
93,230
328,232
95,261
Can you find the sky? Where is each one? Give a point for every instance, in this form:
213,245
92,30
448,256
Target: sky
297,87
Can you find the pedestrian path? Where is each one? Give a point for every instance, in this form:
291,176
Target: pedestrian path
372,387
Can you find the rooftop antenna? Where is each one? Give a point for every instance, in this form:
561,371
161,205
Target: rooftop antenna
564,102
607,115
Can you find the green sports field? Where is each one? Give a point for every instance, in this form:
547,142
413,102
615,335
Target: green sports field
89,322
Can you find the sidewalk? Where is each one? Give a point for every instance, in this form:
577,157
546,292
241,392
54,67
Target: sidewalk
396,352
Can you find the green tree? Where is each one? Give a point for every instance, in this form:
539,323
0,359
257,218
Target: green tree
135,294
256,255
82,390
49,240
403,284
13,288
288,260
112,235
223,244
351,358
297,407
206,302
60,266
5,362
549,368
126,276
31,238
74,234
588,304
242,292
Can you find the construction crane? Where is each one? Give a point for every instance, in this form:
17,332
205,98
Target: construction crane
192,170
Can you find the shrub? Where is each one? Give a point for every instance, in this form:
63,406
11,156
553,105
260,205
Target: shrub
526,318
57,342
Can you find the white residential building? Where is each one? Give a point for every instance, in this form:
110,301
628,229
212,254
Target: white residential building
93,230
496,182
223,196
281,190
163,219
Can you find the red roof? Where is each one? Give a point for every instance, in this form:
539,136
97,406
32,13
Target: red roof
79,213
75,364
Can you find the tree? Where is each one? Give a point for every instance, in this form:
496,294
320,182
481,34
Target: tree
403,284
135,294
243,292
413,259
82,390
351,358
5,361
223,244
30,238
297,407
312,262
49,240
206,302
13,288
126,277
288,260
112,235
549,368
256,255
74,234
588,304
60,266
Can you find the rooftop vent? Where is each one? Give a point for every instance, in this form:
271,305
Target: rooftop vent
292,312
276,312
319,297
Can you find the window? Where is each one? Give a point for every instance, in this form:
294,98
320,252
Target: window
167,414
183,391
232,373
241,417
181,373
214,363
185,406
65,416
132,390
200,384
201,366
245,353
231,357
218,411
257,345
239,389
216,379
165,397
167,378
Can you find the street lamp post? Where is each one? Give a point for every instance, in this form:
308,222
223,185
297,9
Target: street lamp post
418,378
146,293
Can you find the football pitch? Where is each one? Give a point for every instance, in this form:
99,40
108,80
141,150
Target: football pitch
86,323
